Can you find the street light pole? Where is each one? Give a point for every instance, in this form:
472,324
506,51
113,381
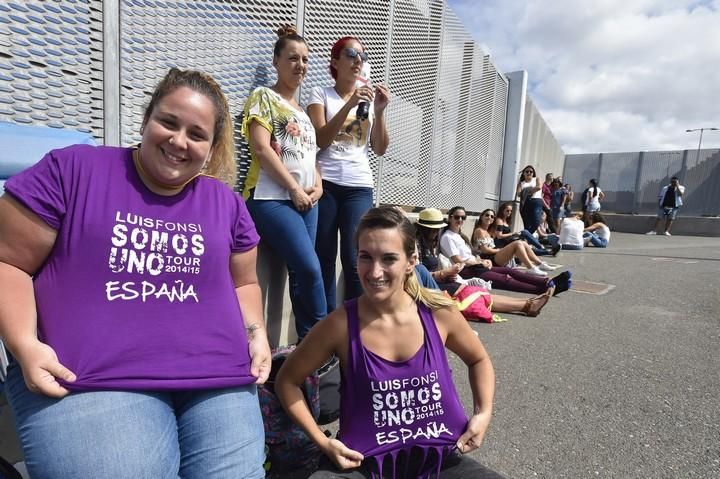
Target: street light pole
701,130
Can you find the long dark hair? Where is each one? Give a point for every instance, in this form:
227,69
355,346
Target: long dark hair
533,170
425,247
596,217
501,209
450,213
491,227
593,184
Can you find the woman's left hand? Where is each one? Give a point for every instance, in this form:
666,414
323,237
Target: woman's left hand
315,193
260,355
382,98
474,433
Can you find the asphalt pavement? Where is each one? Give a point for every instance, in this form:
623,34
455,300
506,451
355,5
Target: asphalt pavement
620,385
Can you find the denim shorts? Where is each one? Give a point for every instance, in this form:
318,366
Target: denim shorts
667,213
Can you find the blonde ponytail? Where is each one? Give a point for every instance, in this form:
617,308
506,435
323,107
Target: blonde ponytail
429,297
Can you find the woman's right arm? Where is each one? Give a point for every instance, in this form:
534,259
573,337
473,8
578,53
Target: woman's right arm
323,340
326,131
483,248
25,243
260,140
499,234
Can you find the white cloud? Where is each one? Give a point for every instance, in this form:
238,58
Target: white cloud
614,75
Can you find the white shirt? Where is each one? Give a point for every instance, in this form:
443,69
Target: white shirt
593,202
571,232
345,162
603,232
452,244
531,184
291,132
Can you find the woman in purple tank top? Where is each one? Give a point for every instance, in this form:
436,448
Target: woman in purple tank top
400,415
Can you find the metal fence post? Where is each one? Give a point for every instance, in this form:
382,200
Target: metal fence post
638,185
381,159
111,72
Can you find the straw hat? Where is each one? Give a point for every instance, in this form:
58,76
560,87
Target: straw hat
431,218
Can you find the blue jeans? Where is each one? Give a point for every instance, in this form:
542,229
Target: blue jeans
122,434
532,214
424,277
595,240
538,248
340,209
291,235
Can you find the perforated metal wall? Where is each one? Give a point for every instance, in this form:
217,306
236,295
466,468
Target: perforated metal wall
51,70
325,22
539,144
446,118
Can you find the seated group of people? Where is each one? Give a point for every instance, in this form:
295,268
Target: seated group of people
580,230
453,259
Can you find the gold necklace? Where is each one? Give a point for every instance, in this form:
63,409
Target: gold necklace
146,177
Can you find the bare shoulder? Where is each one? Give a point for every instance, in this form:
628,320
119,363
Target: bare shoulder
448,319
331,331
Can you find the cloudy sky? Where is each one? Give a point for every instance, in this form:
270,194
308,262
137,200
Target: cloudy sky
610,75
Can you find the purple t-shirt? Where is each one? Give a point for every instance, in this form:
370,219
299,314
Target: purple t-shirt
391,408
137,292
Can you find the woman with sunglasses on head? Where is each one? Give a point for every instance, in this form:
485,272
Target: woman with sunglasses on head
283,187
456,246
520,250
529,189
345,138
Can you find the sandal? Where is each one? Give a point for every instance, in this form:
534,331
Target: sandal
533,306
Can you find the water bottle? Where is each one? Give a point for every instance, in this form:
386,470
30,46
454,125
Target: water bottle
363,79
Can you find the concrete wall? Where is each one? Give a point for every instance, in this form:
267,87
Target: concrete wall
683,225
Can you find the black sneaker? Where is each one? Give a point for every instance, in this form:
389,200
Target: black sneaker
562,282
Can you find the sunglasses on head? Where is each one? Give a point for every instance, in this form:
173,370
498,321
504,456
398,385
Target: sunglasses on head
352,53
459,217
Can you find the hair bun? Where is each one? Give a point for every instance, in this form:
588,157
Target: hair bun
286,30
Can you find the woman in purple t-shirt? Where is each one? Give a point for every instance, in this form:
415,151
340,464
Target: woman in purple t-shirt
400,412
130,301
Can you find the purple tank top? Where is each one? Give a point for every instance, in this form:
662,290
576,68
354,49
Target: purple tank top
389,408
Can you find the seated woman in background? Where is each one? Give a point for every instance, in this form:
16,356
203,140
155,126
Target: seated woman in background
547,237
598,233
427,229
504,235
520,250
456,246
391,345
571,232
